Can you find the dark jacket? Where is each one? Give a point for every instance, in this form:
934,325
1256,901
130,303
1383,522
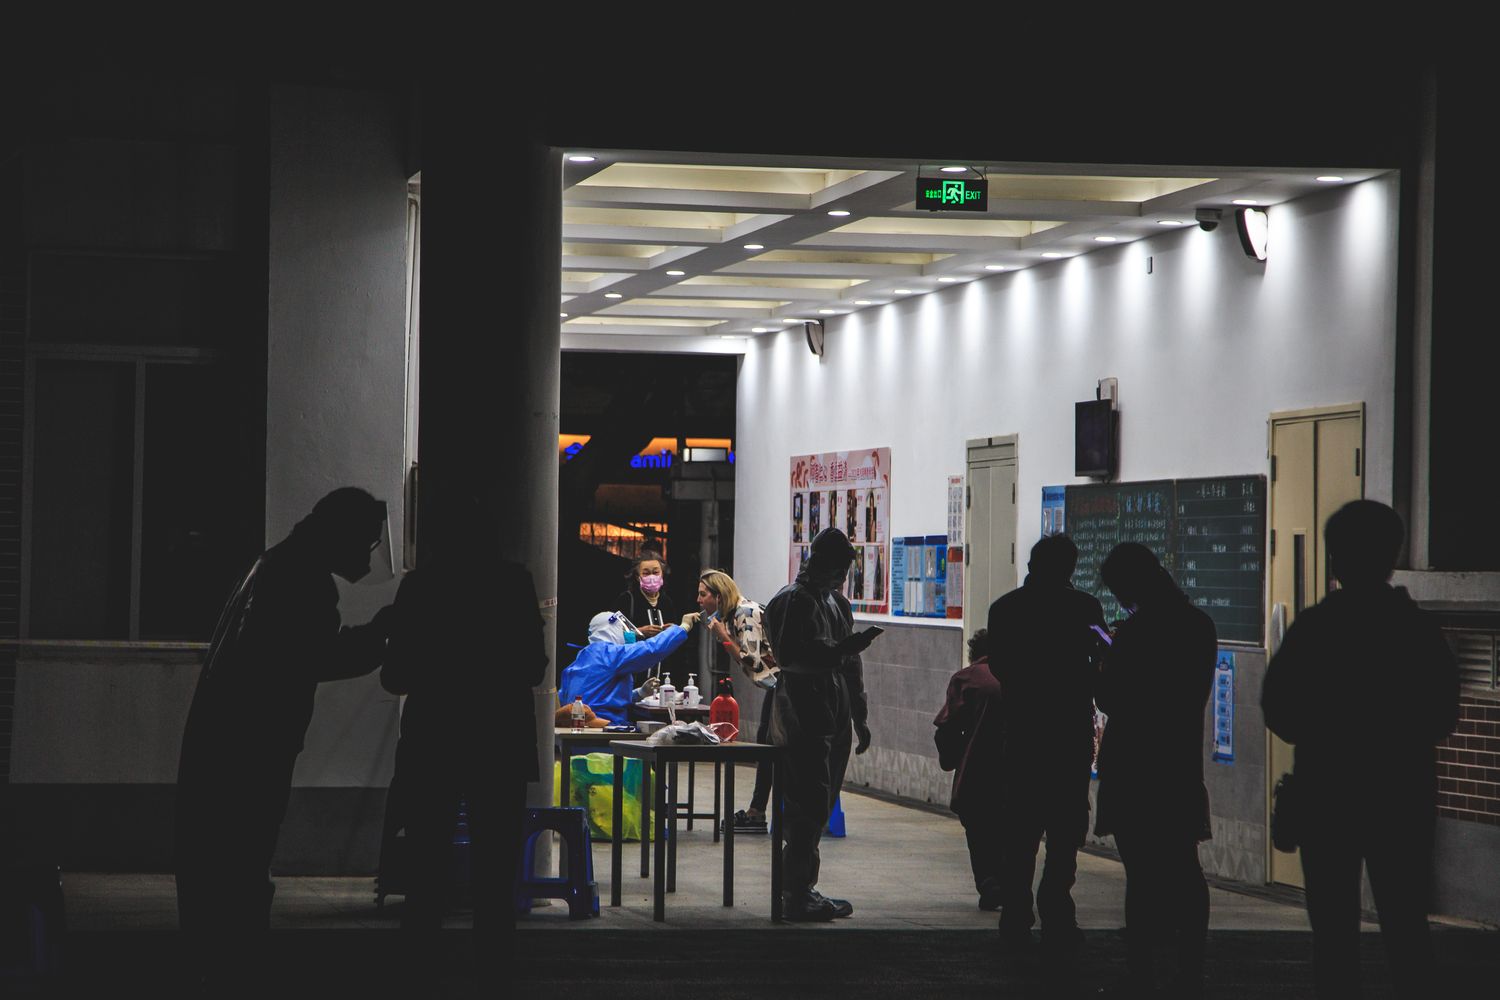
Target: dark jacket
639,610
804,623
968,737
1154,687
468,683
1045,656
277,638
1364,686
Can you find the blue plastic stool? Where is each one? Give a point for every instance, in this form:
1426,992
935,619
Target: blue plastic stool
835,826
578,886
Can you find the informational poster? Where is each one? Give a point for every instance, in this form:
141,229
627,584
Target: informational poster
1224,708
1053,498
955,547
898,576
924,584
851,491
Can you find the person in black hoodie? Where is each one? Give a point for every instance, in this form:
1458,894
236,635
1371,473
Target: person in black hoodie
1363,686
1044,653
1154,686
819,693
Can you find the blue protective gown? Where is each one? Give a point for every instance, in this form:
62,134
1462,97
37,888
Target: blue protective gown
601,673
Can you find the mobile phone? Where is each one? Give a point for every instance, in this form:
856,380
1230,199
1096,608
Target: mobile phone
873,631
1103,634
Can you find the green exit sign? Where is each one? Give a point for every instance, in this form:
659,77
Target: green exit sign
937,194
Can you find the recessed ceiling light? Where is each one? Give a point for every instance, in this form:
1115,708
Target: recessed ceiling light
563,315
863,302
758,329
676,274
581,158
1171,222
903,291
733,336
755,246
828,312
839,212
1051,253
947,280
1246,201
613,295
1330,179
1106,239
954,170
994,267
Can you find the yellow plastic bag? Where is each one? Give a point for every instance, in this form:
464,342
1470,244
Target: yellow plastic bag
591,785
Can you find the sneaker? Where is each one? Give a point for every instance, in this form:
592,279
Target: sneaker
989,898
841,907
745,823
808,908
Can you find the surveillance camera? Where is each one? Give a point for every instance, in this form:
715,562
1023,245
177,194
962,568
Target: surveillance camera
1208,218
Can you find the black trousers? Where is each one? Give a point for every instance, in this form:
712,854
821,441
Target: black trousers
982,829
760,796
1055,806
1398,858
812,722
1165,895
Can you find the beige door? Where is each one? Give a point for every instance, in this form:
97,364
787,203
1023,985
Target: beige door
990,526
1317,466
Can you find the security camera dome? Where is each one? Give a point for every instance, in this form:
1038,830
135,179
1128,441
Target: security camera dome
1208,218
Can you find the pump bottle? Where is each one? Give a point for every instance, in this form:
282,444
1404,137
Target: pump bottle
690,693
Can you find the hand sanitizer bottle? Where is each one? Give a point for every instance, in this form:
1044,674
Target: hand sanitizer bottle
666,693
690,693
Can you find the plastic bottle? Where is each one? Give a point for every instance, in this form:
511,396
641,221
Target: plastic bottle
725,708
666,693
579,713
690,693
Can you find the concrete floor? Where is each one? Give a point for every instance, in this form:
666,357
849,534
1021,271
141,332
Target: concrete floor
903,868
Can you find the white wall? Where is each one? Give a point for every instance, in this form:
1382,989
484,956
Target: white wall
336,365
1205,347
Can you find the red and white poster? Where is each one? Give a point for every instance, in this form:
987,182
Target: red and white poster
851,491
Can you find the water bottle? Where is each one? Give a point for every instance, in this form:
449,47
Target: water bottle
579,714
690,693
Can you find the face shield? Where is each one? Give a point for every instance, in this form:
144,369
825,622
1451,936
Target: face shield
382,557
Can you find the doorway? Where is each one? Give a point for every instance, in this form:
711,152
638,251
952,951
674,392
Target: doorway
990,503
1317,466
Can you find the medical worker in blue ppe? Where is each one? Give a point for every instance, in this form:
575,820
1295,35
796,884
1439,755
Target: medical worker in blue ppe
601,673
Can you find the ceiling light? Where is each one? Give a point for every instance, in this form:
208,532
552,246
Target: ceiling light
1171,222
755,246
676,274
994,267
613,295
1106,239
580,158
758,329
1051,253
839,212
903,291
1251,223
1246,201
733,336
1329,179
954,170
863,302
563,315
828,312
947,280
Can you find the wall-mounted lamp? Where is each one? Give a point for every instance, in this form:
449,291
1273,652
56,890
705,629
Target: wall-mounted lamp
1251,222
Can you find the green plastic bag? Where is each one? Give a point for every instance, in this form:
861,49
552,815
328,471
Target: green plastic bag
591,785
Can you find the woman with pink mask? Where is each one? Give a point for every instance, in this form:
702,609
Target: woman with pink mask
647,605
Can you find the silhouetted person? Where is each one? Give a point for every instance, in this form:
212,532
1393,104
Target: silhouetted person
1154,686
1365,672
968,738
1044,653
468,733
820,696
276,640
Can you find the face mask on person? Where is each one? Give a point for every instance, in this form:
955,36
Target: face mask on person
651,583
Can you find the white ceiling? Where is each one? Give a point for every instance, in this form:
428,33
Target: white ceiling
758,249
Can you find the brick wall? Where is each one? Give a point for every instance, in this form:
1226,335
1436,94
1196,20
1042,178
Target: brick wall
1469,765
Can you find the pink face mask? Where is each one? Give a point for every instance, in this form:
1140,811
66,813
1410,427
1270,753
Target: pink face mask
651,583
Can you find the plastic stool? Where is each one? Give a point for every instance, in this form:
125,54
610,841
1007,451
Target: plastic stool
836,819
578,886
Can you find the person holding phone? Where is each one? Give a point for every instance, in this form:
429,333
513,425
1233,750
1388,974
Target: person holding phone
818,708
